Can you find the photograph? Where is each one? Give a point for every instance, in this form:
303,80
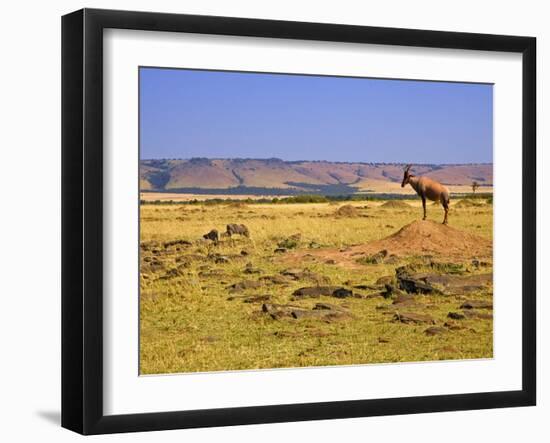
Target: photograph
293,220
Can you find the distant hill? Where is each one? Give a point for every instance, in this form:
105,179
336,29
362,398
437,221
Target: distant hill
275,176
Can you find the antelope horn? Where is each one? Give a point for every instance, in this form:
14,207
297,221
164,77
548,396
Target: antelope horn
407,168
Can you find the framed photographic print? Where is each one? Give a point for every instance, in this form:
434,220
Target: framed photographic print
269,221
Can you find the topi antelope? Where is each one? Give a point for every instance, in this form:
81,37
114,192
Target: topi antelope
427,188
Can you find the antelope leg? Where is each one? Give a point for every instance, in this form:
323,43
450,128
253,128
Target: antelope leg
424,206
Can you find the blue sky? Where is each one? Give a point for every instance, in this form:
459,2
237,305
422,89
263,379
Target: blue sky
214,114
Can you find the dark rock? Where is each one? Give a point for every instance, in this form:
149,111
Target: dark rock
189,258
177,243
257,298
280,250
250,269
244,285
477,304
243,252
342,293
456,316
391,291
173,273
367,287
328,306
212,273
453,326
212,235
416,285
306,274
315,291
412,317
221,259
379,257
278,312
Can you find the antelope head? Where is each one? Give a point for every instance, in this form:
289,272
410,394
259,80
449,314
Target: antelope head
406,176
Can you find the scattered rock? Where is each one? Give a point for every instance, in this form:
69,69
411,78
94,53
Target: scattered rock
414,283
383,340
212,235
456,316
453,326
280,250
366,287
278,312
244,285
315,291
435,330
477,304
330,262
221,260
412,317
391,291
212,273
342,293
306,274
257,298
173,273
328,306
275,279
479,263
250,269
169,244
189,258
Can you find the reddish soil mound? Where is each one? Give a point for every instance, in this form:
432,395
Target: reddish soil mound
417,238
429,237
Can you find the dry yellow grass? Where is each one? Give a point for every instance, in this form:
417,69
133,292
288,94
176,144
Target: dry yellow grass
188,324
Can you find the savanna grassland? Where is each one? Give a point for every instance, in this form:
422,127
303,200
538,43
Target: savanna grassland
374,292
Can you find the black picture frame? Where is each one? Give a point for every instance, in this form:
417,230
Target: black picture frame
82,218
